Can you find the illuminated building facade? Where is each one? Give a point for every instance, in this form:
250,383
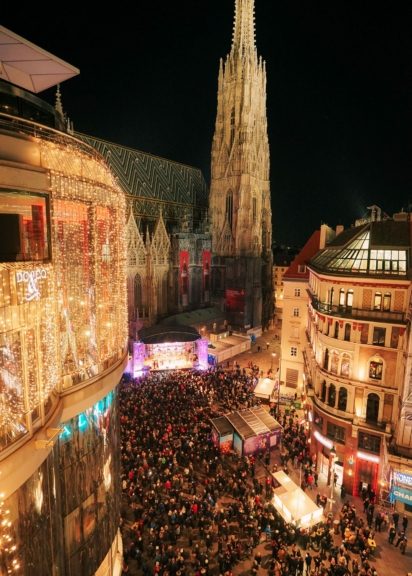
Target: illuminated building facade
240,209
358,358
63,340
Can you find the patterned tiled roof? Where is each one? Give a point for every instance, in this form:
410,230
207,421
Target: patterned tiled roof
150,181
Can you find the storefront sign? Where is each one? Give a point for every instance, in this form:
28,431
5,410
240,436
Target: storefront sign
31,279
401,494
401,478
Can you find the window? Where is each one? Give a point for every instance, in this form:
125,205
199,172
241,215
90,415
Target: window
387,301
376,369
301,268
342,399
336,334
254,209
341,297
293,351
372,408
377,302
349,299
347,332
334,363
379,336
326,359
296,312
297,291
318,420
345,365
323,392
229,208
336,433
332,395
24,227
369,442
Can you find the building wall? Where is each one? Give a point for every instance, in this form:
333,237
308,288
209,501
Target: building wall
357,369
63,334
293,342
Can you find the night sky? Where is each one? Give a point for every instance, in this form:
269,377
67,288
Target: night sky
339,92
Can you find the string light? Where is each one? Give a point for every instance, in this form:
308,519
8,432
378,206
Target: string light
76,327
9,554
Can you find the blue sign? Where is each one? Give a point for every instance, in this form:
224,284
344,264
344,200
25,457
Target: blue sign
401,494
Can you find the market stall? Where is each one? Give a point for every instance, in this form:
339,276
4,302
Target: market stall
293,504
264,388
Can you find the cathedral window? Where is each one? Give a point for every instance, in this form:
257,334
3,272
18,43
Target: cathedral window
229,208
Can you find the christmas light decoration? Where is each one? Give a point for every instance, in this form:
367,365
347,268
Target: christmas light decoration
9,554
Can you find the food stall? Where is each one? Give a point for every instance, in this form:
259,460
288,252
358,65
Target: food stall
222,434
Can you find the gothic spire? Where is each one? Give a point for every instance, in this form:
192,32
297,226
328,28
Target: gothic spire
243,40
58,105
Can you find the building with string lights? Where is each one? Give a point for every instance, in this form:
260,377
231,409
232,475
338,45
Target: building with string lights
358,357
63,331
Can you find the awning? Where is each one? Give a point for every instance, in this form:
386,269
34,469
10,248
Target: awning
264,388
222,425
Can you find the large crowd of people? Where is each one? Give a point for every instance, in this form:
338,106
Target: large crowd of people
190,510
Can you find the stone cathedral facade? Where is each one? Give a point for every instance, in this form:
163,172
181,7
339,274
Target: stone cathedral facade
240,208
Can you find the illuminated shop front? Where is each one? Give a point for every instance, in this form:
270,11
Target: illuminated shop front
401,488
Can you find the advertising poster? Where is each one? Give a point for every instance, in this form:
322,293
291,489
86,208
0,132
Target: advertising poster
235,300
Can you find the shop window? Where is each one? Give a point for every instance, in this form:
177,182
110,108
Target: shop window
342,399
376,369
347,331
24,227
369,442
379,336
332,395
372,408
336,433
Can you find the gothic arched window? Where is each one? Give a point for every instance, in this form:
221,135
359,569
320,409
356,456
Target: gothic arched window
229,207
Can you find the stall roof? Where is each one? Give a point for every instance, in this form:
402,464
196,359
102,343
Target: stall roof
240,425
264,388
222,425
293,503
266,418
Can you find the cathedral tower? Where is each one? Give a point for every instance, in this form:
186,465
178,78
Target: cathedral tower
240,190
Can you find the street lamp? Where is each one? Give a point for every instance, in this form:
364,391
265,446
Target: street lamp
332,456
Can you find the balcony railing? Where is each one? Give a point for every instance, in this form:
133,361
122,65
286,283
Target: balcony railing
357,313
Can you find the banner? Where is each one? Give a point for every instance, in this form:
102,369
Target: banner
184,277
206,259
235,300
401,494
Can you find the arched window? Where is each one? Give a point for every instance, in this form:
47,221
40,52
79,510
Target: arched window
341,298
326,359
323,392
254,209
376,369
349,299
345,365
229,207
332,395
336,333
342,399
372,408
347,332
334,363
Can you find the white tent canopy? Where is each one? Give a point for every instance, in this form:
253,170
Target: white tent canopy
293,504
264,388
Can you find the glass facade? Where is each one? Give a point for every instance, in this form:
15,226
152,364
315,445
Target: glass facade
65,517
